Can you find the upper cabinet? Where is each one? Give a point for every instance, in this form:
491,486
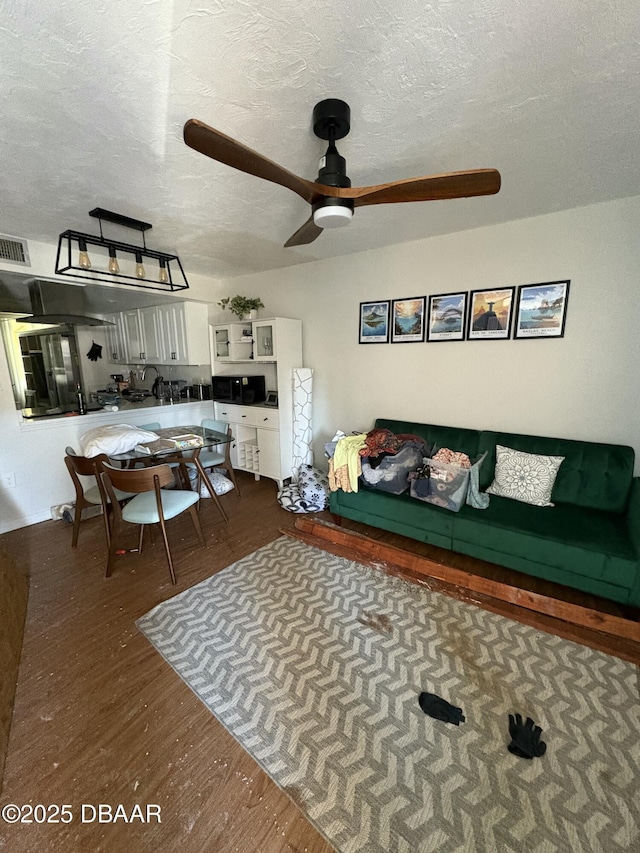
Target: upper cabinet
264,340
142,335
117,350
232,342
175,333
185,333
277,339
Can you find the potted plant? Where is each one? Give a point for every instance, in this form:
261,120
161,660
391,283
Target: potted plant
244,307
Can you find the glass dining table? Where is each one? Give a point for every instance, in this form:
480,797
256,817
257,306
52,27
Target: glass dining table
181,445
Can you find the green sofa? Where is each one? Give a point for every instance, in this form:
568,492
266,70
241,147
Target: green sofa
590,539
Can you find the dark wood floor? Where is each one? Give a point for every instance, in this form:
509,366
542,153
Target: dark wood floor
100,718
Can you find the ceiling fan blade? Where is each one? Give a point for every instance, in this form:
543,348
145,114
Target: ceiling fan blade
307,233
212,143
428,188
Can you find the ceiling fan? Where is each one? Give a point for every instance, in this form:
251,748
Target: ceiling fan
331,196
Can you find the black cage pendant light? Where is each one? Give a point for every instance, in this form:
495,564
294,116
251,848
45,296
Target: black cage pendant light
94,257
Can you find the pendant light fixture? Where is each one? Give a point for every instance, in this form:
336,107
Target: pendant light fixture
122,262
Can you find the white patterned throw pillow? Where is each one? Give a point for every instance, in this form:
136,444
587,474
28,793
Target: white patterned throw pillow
526,477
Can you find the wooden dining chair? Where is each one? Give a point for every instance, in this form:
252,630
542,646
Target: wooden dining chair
212,457
93,495
152,504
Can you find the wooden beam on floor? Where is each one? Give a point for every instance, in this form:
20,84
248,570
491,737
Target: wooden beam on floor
378,554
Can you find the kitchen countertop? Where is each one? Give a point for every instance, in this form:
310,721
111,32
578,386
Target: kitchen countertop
124,406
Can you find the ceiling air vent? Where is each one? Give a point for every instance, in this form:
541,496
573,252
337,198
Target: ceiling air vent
14,250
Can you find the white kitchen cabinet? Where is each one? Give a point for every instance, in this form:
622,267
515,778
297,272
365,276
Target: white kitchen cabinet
263,436
256,445
117,350
132,326
185,333
268,441
172,334
142,335
265,340
151,334
232,342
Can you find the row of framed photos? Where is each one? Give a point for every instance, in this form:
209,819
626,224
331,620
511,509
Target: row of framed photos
478,315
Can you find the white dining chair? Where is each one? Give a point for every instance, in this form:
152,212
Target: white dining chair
152,504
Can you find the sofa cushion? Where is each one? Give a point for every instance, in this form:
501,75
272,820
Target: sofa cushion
526,477
584,541
399,513
593,475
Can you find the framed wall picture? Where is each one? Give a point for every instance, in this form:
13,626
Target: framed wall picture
374,322
541,311
447,317
490,313
407,320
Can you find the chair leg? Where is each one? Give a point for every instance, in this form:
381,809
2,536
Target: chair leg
196,524
106,516
113,547
232,477
140,539
77,518
168,550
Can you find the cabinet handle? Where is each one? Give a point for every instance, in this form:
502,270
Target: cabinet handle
265,419
142,355
173,355
244,416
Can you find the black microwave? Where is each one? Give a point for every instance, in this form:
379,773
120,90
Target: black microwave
239,389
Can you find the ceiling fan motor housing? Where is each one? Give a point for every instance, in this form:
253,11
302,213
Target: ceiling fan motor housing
331,121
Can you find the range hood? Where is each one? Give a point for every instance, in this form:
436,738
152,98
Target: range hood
60,305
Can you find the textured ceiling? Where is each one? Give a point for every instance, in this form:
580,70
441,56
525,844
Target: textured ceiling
95,95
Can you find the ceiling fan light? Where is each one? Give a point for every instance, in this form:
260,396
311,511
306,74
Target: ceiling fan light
332,216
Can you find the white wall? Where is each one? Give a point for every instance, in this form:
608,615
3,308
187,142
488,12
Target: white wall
584,385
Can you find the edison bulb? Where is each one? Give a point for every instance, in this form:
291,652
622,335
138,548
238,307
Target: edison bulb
83,258
114,266
140,270
163,275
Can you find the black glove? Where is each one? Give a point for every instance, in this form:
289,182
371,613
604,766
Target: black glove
95,352
525,738
440,709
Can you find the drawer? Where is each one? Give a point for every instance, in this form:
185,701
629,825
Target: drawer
231,413
266,418
255,416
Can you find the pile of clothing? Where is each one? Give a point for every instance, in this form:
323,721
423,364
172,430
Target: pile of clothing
382,458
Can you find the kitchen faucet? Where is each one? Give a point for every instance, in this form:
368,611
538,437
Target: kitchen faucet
143,372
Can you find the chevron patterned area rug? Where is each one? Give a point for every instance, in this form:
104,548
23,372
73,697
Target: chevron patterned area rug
315,663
